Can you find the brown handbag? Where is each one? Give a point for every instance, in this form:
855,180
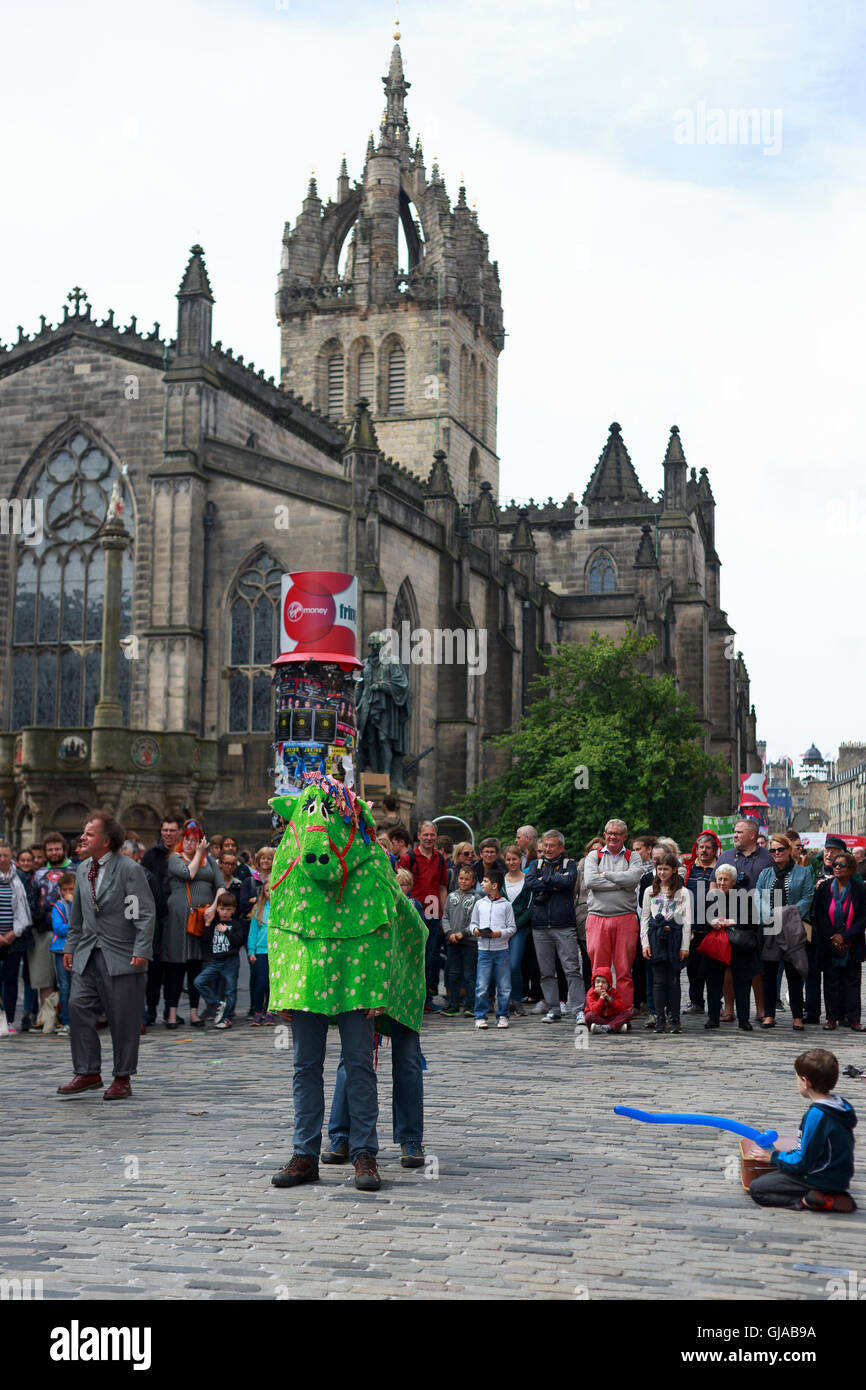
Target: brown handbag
195,923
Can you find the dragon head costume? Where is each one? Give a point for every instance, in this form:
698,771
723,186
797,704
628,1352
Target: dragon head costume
342,934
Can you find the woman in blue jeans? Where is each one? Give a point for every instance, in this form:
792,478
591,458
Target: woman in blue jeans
407,1100
515,890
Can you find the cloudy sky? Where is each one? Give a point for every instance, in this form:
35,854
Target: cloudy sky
652,273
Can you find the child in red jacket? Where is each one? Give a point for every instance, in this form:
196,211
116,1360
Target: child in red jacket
605,1010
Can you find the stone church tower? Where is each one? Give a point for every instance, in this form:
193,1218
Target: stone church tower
389,293
135,659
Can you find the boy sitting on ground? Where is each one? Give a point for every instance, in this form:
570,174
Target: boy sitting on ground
818,1173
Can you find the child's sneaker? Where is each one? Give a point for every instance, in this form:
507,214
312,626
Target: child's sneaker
223,1023
254,1020
829,1201
626,1028
13,1030
468,1013
481,1023
220,1013
502,1022
62,1030
453,1011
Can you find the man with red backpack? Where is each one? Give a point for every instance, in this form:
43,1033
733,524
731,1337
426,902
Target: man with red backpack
611,876
429,872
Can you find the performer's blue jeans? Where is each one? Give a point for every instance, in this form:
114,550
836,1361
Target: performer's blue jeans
407,1090
309,1040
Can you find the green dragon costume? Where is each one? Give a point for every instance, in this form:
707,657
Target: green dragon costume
341,933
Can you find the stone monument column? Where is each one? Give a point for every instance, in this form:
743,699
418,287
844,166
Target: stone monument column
113,539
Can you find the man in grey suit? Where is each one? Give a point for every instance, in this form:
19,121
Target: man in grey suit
109,943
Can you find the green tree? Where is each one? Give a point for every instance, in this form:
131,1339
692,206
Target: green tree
600,738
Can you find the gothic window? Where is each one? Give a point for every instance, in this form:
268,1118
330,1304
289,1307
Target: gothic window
365,376
335,386
396,380
253,634
473,395
473,473
59,592
602,575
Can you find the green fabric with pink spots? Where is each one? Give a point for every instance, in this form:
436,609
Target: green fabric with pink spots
341,933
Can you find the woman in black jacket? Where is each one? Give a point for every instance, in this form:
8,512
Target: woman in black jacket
839,922
731,905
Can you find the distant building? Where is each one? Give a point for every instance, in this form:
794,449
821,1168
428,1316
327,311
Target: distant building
847,791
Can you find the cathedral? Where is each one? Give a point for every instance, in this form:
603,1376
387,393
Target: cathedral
136,652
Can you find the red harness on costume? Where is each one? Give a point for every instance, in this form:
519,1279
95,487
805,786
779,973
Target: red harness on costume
341,857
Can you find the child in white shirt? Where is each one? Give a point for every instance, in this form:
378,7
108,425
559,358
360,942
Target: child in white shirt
492,923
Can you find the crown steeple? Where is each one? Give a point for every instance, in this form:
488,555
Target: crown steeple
395,124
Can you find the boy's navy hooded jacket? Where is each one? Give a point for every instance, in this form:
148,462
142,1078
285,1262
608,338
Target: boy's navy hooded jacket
825,1157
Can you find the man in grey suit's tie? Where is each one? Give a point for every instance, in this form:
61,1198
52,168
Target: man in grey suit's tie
108,946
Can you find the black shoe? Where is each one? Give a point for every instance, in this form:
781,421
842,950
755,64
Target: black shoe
197,1023
747,1027
412,1155
26,1024
807,1018
300,1168
366,1173
693,1009
676,1028
172,1025
712,1023
338,1155
150,1016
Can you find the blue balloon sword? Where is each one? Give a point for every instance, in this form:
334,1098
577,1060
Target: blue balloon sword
764,1139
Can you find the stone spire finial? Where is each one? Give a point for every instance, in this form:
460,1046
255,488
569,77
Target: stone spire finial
485,510
195,279
674,453
614,477
646,555
439,483
362,434
522,539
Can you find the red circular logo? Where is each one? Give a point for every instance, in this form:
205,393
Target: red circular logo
308,616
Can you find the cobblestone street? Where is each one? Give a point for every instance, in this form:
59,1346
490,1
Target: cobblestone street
533,1187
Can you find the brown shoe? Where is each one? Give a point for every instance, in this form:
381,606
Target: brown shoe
300,1168
366,1173
78,1084
119,1089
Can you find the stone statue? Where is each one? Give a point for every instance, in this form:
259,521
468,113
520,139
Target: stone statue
384,703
